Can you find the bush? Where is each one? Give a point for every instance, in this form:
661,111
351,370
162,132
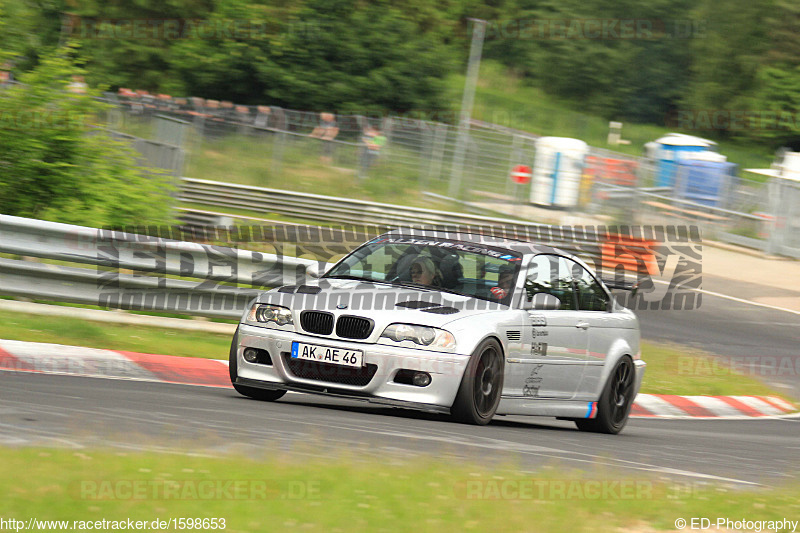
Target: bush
57,164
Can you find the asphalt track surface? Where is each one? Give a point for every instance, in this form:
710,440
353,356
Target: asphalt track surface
66,411
765,340
52,410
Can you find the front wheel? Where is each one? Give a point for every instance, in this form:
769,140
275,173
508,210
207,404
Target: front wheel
615,401
251,392
479,393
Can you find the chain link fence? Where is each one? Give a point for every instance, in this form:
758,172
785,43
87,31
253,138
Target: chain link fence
613,187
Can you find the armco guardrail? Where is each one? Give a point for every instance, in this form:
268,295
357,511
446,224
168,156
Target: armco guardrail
588,242
348,211
142,272
331,209
131,271
121,291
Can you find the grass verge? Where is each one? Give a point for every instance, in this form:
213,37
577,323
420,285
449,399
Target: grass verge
342,495
670,369
81,332
674,369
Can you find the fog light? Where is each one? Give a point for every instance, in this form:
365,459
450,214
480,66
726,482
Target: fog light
421,379
250,355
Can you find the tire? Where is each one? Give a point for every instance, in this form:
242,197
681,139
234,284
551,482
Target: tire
615,402
265,395
479,393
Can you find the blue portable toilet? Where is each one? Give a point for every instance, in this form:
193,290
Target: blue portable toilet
707,180
673,148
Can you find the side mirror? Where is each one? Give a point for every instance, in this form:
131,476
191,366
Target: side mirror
542,301
621,285
312,271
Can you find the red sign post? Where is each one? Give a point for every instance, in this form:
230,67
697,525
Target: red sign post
521,174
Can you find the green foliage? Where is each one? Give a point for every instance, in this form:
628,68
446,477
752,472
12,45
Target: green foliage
777,81
57,165
778,103
27,29
310,54
377,55
621,60
372,56
725,60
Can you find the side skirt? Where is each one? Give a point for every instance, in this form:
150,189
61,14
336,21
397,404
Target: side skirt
547,407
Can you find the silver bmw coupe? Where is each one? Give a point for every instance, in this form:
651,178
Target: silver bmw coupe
464,324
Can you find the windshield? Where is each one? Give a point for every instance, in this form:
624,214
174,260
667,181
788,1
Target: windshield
471,269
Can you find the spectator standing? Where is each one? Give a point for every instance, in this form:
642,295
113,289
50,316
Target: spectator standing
6,76
262,118
77,85
327,132
373,141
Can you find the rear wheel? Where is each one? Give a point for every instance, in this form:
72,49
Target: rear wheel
251,392
479,393
615,402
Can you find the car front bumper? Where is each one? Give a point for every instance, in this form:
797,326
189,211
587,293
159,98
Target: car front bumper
374,384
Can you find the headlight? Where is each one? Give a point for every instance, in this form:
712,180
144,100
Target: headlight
281,316
422,335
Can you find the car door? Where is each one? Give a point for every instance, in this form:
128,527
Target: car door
555,342
595,309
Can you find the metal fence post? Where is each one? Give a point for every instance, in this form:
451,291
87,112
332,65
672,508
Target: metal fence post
388,124
437,153
279,142
776,193
427,138
466,107
515,158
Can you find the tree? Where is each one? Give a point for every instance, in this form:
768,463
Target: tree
56,164
322,54
619,60
776,101
726,59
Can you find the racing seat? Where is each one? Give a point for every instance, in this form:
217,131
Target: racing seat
452,271
401,269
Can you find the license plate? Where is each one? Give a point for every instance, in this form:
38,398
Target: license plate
327,354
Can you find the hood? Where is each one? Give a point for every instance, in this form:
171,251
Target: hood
382,303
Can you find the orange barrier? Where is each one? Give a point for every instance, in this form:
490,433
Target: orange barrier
633,254
620,172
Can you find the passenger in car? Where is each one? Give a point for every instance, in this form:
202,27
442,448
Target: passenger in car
502,290
505,278
423,271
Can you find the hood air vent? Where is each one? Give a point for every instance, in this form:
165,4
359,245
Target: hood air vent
416,304
441,310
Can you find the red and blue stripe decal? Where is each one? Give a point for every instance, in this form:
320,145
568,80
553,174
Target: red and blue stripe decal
591,411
